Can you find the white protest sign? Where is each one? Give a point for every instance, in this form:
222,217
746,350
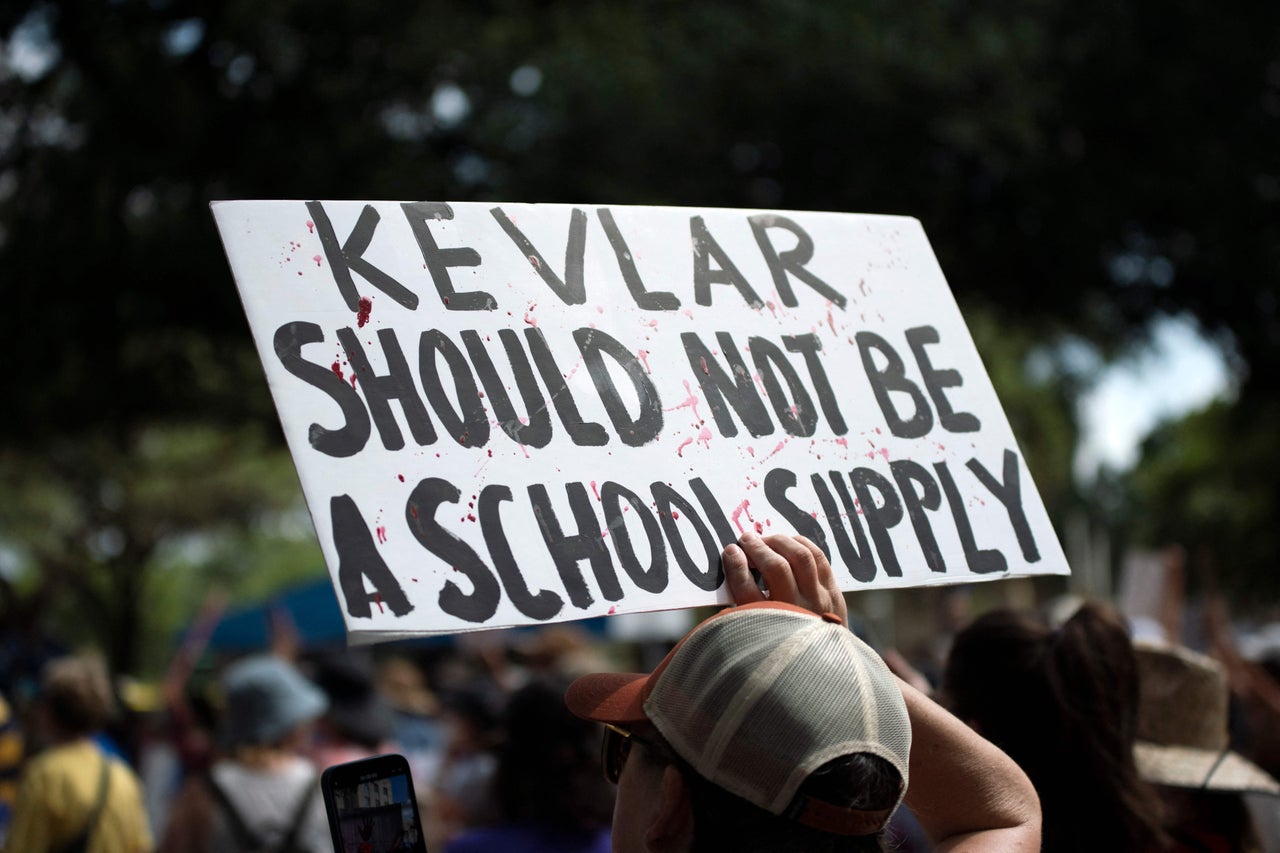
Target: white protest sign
509,414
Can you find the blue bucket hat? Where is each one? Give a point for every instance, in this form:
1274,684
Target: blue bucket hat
266,698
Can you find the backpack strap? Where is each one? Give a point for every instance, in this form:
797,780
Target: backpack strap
290,840
245,838
81,840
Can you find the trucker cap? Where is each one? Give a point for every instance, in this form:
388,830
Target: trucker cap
758,697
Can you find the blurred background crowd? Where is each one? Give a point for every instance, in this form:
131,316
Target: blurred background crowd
1099,180
1111,713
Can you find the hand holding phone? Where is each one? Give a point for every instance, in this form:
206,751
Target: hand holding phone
372,807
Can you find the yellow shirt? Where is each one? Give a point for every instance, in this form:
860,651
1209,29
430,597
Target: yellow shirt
58,790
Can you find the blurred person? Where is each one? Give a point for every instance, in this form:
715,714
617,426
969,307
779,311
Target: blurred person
415,714
1253,675
1183,747
770,727
73,796
358,723
263,794
460,790
546,787
1063,703
11,752
558,650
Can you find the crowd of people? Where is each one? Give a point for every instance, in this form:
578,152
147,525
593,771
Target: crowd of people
770,726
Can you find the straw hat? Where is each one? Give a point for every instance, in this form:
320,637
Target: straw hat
1182,724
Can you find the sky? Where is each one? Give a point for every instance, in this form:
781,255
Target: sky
1180,371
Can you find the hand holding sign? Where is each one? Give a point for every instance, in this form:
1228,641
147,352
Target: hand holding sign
791,569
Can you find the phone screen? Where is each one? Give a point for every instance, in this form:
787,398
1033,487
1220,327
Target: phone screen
372,807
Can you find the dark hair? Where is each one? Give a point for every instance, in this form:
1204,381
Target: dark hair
725,821
1064,705
548,769
77,692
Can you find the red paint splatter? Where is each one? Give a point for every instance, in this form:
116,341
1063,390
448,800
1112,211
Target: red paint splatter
594,489
705,370
400,477
704,437
683,445
778,449
759,527
413,510
317,259
381,609
884,451
533,261
311,226
353,379
843,442
382,534
337,370
831,321
529,318
691,401
737,514
471,516
613,610
366,308
644,358
675,515
686,312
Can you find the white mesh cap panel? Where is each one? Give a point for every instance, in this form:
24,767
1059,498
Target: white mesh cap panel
756,700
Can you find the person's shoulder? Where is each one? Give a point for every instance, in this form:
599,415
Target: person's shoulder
63,758
123,776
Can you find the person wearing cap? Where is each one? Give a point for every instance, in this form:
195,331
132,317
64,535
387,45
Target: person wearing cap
263,793
771,727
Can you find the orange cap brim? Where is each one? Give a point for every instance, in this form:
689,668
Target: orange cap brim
608,697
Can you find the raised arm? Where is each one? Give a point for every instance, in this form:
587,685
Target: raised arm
966,793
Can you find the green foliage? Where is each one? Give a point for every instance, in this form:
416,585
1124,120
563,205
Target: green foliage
94,522
1208,482
1040,409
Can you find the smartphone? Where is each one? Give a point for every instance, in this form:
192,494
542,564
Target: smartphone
372,807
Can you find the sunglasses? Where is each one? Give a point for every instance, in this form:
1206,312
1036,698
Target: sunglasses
616,746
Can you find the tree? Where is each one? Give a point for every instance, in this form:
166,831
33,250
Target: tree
1080,167
1207,482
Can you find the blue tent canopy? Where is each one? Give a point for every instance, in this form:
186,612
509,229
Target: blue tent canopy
317,617
312,608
